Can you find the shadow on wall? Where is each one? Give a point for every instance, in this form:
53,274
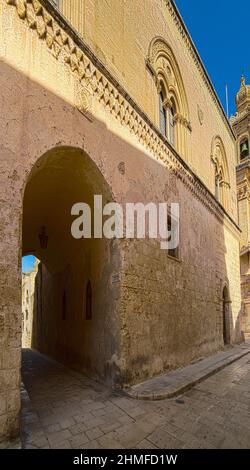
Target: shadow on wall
150,312
232,332
69,323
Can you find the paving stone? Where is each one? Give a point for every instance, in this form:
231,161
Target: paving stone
62,445
134,412
94,433
125,419
80,418
145,444
130,435
57,437
77,429
67,423
52,428
106,428
77,441
93,423
91,445
88,415
160,438
109,441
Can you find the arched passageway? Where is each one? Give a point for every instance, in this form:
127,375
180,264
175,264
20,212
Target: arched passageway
75,316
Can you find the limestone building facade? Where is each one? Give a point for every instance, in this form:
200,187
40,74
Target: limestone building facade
111,98
241,126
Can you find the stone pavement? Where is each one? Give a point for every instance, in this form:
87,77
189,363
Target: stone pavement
68,410
178,381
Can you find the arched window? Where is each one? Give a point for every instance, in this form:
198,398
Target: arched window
88,301
171,130
167,115
221,175
163,116
220,185
174,122
217,187
244,148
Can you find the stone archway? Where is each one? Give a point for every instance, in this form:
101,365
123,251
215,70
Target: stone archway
226,316
62,328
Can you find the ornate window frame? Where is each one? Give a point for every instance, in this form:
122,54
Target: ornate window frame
222,181
164,68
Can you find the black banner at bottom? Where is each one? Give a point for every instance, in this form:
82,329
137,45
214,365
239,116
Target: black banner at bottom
110,458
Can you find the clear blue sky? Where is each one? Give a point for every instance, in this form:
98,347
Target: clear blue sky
28,263
220,31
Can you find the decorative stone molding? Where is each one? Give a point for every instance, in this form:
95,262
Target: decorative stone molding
164,68
200,115
167,103
83,102
219,158
222,182
242,192
238,117
242,104
243,189
243,95
182,120
100,84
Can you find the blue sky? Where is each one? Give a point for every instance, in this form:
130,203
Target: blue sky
220,31
28,263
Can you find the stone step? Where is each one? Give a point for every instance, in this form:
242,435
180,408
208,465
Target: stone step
178,381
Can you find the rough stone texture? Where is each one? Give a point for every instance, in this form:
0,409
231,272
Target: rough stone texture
67,126
178,381
214,414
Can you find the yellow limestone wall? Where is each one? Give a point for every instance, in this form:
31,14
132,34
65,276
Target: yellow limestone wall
56,99
119,32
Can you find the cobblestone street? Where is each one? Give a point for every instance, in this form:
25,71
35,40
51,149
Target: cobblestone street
67,410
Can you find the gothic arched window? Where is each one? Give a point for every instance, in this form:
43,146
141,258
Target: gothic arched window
163,115
174,120
221,176
171,125
167,117
88,301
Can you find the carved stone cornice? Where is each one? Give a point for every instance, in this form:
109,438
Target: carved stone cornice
65,45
